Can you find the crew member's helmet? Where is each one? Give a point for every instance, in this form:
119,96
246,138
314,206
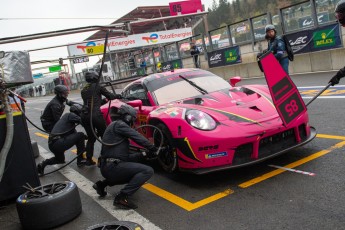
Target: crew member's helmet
269,27
61,91
76,109
91,76
128,113
340,12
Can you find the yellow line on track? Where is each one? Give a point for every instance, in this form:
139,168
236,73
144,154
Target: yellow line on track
292,165
182,202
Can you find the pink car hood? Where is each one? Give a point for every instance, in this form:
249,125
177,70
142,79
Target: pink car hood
235,106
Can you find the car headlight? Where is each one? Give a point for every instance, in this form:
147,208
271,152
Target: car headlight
200,120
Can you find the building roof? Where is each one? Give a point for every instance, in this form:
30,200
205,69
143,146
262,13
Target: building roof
141,12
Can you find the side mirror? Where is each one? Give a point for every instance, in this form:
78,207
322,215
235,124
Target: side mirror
234,81
2,54
135,103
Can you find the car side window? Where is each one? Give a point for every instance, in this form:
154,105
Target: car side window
136,92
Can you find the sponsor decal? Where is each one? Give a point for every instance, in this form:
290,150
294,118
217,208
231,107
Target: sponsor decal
205,148
216,155
142,118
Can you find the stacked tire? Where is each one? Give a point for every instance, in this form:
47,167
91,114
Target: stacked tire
48,206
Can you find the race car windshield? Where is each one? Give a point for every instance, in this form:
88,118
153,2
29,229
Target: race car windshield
180,90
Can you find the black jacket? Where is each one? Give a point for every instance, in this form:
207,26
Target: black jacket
88,91
66,125
53,110
119,131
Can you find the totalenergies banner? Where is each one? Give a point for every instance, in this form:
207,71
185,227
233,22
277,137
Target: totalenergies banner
131,41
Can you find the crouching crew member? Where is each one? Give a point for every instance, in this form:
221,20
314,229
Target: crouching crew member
64,136
54,109
118,165
92,89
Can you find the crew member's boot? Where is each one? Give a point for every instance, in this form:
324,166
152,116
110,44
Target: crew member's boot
41,166
99,186
121,200
89,162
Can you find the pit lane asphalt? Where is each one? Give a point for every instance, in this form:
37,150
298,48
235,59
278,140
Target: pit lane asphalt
254,197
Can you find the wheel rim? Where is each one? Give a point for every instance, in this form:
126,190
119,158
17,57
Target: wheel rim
167,159
45,190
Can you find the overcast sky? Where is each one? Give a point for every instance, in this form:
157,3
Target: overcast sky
23,17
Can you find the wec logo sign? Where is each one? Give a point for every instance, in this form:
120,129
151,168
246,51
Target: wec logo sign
298,41
216,57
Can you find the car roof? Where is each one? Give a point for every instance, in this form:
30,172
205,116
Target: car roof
167,74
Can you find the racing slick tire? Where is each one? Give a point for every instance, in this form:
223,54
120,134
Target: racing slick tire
121,225
48,206
167,159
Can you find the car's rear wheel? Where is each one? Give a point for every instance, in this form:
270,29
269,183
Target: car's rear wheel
168,158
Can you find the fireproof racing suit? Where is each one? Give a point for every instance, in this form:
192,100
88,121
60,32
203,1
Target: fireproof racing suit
118,165
277,47
52,113
63,137
97,118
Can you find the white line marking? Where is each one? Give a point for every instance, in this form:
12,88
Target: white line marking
293,170
85,185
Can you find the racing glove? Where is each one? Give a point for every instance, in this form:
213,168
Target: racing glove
340,74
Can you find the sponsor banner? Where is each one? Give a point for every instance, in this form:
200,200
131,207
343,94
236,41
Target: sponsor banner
300,41
169,65
133,41
327,37
322,38
227,56
137,72
285,95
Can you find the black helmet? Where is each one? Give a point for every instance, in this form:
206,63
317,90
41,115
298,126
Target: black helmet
91,76
76,109
61,91
128,113
340,12
270,27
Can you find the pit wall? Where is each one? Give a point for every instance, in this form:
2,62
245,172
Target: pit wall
327,60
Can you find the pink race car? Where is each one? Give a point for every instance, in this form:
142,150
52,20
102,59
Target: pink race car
208,124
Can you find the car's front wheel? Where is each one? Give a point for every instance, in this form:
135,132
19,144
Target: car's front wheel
168,158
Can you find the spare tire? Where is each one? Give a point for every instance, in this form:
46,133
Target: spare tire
117,225
49,205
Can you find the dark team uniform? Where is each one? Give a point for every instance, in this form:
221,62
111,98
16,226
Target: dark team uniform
52,113
97,118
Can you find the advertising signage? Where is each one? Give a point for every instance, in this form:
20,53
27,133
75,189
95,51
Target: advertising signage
326,37
222,57
169,65
131,41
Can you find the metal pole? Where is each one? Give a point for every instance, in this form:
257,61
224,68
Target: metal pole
319,93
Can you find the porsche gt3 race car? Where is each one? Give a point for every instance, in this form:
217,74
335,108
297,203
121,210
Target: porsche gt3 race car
208,124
